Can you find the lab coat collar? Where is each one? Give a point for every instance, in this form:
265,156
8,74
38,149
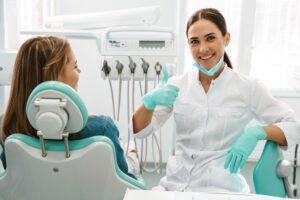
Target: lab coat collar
222,75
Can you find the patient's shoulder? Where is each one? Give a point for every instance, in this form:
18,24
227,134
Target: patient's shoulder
101,121
111,123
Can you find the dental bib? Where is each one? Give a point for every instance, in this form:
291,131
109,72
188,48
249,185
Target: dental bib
213,70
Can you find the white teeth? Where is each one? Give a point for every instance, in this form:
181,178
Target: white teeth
205,58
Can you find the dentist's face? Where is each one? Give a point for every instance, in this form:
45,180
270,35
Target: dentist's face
70,72
206,42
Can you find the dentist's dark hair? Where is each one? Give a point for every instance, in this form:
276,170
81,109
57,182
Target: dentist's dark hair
39,59
215,17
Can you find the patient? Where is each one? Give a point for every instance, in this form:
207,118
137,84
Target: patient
43,59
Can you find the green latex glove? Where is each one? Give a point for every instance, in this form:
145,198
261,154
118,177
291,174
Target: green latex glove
240,151
164,94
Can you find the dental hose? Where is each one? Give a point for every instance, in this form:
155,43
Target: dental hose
112,99
295,168
128,114
157,166
106,69
119,69
128,118
145,67
120,92
132,67
133,109
158,68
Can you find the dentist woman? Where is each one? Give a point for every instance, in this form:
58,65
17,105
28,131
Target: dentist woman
212,106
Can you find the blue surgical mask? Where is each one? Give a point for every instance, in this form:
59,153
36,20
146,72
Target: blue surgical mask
211,71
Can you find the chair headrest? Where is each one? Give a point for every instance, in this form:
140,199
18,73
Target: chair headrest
54,107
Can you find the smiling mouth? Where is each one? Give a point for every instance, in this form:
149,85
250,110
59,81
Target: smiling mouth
206,57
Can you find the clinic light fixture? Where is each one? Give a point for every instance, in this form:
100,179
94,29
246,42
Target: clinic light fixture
99,20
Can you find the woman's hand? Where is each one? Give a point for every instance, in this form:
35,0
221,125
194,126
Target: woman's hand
240,151
164,94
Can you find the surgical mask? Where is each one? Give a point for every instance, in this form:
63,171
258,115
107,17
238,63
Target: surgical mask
211,71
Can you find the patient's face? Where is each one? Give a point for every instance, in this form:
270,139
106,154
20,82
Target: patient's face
70,72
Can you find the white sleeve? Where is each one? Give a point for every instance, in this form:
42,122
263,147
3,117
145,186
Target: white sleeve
160,116
269,111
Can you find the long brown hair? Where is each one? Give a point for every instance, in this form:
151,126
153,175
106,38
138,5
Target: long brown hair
215,17
39,59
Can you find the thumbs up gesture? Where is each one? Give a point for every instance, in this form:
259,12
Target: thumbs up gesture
164,94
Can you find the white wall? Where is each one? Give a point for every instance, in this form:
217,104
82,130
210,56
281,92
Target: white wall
2,88
1,24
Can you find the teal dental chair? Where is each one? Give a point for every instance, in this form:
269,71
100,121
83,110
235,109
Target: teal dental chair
52,167
270,175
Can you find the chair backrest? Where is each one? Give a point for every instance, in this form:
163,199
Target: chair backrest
265,177
91,172
88,171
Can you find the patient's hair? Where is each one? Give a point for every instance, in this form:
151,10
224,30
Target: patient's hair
39,59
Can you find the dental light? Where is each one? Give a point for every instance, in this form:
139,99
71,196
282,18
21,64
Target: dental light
98,20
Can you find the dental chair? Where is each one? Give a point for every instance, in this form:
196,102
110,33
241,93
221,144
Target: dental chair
270,175
51,166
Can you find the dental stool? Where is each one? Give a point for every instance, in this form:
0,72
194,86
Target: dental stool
52,167
270,175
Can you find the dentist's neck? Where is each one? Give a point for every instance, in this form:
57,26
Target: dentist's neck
204,78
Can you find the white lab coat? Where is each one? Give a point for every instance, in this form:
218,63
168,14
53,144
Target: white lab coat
208,124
